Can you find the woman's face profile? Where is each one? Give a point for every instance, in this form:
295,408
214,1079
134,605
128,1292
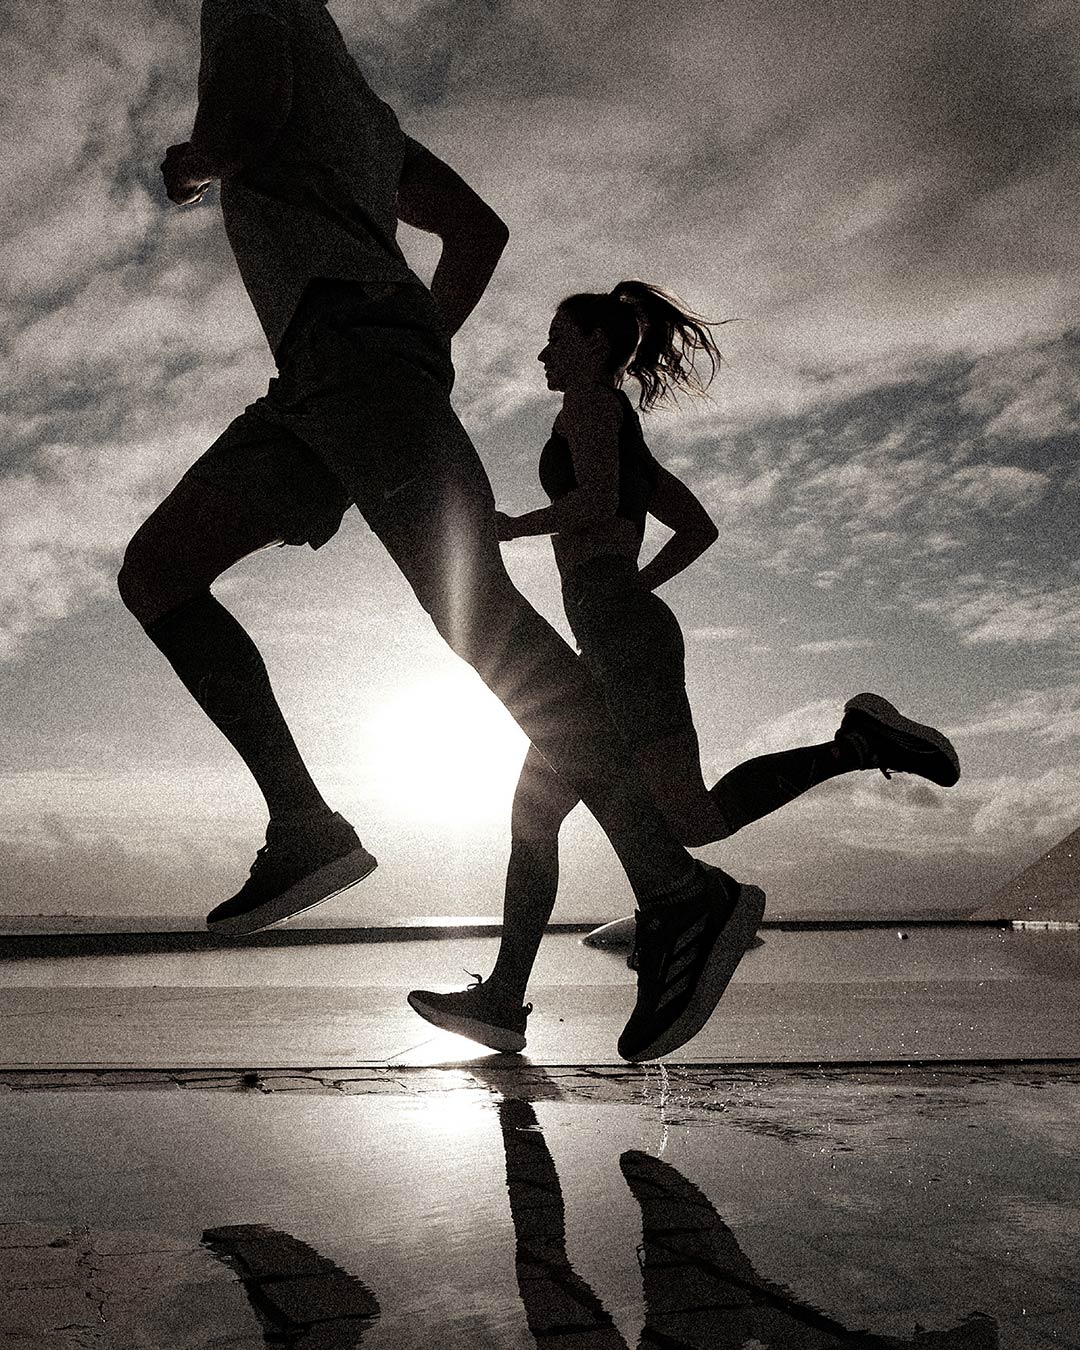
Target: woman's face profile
569,356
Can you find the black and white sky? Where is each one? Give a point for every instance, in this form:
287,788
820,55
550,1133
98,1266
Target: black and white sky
885,198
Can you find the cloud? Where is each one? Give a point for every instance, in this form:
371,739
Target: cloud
63,522
1025,613
1050,715
1025,395
841,190
844,644
1041,809
90,96
718,633
805,725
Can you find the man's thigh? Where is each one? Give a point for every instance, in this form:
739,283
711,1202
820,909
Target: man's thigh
193,536
439,528
255,486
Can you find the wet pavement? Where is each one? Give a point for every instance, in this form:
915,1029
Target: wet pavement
439,1196
505,1206
818,994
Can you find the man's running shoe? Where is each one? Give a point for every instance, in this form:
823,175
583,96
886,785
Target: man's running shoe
303,862
685,953
893,743
475,1013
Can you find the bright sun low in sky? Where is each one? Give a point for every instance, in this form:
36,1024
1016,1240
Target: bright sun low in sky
444,750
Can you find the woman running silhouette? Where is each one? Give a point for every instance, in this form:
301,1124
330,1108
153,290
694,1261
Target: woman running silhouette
602,480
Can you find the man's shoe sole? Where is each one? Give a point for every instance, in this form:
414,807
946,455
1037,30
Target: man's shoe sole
309,891
486,1033
728,950
883,712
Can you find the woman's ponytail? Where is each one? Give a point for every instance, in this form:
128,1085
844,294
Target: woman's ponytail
672,338
651,336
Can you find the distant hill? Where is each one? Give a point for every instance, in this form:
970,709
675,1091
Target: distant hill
1048,889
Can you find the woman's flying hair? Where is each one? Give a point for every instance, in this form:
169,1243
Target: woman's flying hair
652,335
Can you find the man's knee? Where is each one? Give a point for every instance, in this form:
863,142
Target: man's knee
150,584
134,580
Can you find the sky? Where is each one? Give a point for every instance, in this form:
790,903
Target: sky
883,197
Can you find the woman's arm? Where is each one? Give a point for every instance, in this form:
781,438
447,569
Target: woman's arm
674,505
590,422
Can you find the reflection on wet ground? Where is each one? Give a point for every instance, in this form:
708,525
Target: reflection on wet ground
300,1297
506,1206
699,1289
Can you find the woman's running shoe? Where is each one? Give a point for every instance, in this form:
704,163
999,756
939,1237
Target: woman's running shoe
476,1014
304,861
685,952
893,743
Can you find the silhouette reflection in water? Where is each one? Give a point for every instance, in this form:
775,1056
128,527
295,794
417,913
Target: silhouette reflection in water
302,1299
701,1292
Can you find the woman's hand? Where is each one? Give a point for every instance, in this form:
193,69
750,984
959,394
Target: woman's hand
505,527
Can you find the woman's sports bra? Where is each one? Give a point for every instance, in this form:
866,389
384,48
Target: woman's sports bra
637,467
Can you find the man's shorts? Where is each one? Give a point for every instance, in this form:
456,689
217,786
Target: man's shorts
359,408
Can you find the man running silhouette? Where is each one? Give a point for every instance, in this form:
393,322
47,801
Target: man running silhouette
315,173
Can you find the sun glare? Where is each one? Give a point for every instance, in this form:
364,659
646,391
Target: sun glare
445,749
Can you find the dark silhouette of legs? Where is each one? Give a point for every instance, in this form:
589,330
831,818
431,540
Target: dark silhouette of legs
542,801
302,1299
194,536
560,1308
701,1291
441,535
440,531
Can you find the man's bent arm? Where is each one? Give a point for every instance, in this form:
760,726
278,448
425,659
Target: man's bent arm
432,197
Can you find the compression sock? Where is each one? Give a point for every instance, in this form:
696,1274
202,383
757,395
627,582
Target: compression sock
689,883
762,785
222,669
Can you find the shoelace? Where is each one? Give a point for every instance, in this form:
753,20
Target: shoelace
634,959
260,859
263,859
862,744
477,982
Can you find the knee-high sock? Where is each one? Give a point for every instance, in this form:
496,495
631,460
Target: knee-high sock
222,669
758,786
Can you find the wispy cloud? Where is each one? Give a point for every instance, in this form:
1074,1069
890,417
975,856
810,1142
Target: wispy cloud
1044,808
718,633
984,610
843,644
1051,715
883,196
